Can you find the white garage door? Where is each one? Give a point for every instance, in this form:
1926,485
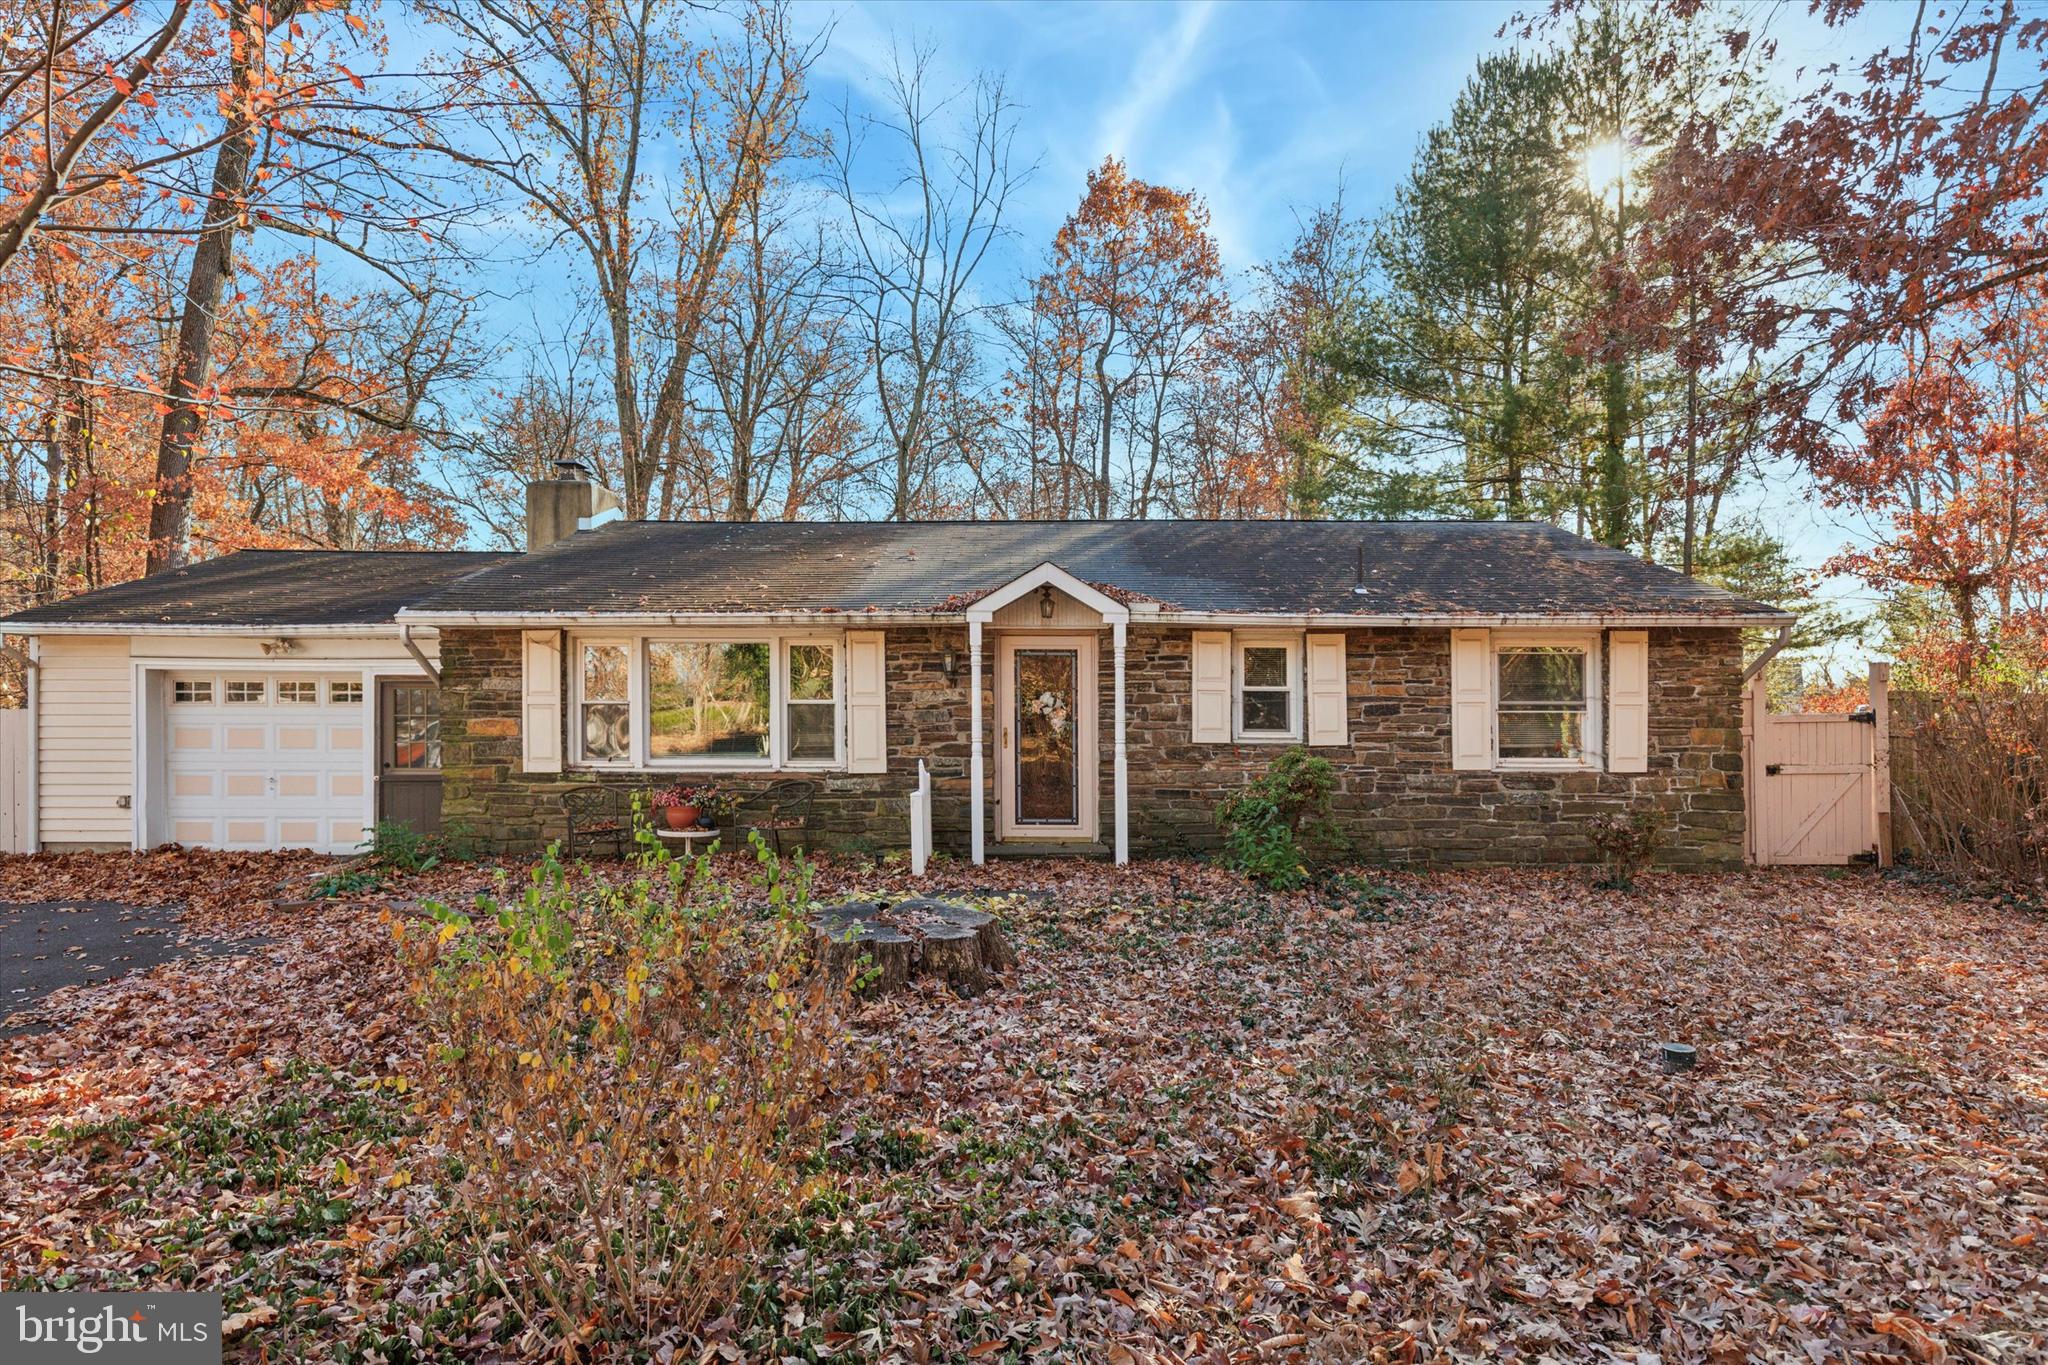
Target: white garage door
258,761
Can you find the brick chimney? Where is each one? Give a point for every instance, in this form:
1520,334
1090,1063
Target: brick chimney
572,501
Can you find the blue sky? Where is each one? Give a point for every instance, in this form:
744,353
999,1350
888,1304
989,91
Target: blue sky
1262,108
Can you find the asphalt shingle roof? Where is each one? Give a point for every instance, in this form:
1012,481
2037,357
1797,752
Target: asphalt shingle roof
656,568
270,588
1292,567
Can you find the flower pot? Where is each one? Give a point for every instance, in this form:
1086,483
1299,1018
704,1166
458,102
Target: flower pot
681,817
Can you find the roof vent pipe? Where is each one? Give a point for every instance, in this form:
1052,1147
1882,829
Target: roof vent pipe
1358,580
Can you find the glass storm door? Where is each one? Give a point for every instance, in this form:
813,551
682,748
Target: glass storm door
1046,754
409,761
1048,780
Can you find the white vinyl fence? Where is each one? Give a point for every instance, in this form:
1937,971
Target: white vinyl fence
921,821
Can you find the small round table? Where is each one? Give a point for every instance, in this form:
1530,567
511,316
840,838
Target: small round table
688,838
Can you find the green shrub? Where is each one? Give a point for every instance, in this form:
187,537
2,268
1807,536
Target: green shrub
354,881
1264,821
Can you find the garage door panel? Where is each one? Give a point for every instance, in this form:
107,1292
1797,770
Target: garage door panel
266,762
192,738
291,785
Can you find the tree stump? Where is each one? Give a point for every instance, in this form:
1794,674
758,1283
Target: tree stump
916,937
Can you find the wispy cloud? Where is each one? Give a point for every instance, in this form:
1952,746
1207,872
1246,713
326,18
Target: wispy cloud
1161,69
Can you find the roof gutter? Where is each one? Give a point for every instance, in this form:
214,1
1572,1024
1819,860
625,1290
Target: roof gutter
1139,616
367,628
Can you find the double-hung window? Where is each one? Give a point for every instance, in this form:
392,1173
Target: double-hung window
676,702
1268,675
810,733
604,701
1545,709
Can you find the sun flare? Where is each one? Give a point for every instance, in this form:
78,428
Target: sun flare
1606,163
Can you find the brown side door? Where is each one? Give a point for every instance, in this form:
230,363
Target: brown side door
409,754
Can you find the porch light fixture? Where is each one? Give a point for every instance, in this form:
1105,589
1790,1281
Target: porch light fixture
1045,602
274,649
952,661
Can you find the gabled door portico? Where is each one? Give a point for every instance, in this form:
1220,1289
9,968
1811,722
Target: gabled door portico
1033,788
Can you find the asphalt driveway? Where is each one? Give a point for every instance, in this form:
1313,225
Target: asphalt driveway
51,944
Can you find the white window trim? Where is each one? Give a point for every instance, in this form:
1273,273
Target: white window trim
779,727
640,757
1292,643
1590,753
574,722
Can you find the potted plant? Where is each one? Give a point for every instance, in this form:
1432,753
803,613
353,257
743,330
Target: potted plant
685,807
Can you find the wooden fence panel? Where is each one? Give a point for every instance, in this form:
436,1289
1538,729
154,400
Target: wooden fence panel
17,819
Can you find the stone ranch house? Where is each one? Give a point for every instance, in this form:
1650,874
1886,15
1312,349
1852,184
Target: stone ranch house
1483,689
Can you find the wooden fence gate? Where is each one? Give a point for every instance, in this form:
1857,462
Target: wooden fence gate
1819,786
17,822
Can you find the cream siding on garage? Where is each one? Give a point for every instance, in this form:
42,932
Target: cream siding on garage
86,740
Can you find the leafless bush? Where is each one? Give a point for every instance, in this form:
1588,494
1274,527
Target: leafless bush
1970,782
629,1078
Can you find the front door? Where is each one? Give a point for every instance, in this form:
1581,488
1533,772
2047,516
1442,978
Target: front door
409,754
1047,780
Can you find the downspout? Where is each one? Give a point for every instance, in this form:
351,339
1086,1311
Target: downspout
32,696
412,647
1757,665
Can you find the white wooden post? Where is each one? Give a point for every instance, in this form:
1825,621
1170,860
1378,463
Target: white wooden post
1123,781
1881,759
921,821
974,777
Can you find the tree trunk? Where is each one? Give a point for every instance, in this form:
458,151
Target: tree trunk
170,512
213,261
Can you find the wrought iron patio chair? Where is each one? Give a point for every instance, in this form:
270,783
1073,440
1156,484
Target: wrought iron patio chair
599,817
779,808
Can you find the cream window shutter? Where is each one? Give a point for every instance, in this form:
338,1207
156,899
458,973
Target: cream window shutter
1212,687
1471,699
867,716
1328,691
540,702
1628,701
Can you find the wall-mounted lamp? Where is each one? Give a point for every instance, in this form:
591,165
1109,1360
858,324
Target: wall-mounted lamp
1045,603
952,663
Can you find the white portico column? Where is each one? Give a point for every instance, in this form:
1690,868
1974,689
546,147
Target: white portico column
1123,777
975,799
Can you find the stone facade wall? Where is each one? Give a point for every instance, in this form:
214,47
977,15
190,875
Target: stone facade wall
516,811
1398,798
